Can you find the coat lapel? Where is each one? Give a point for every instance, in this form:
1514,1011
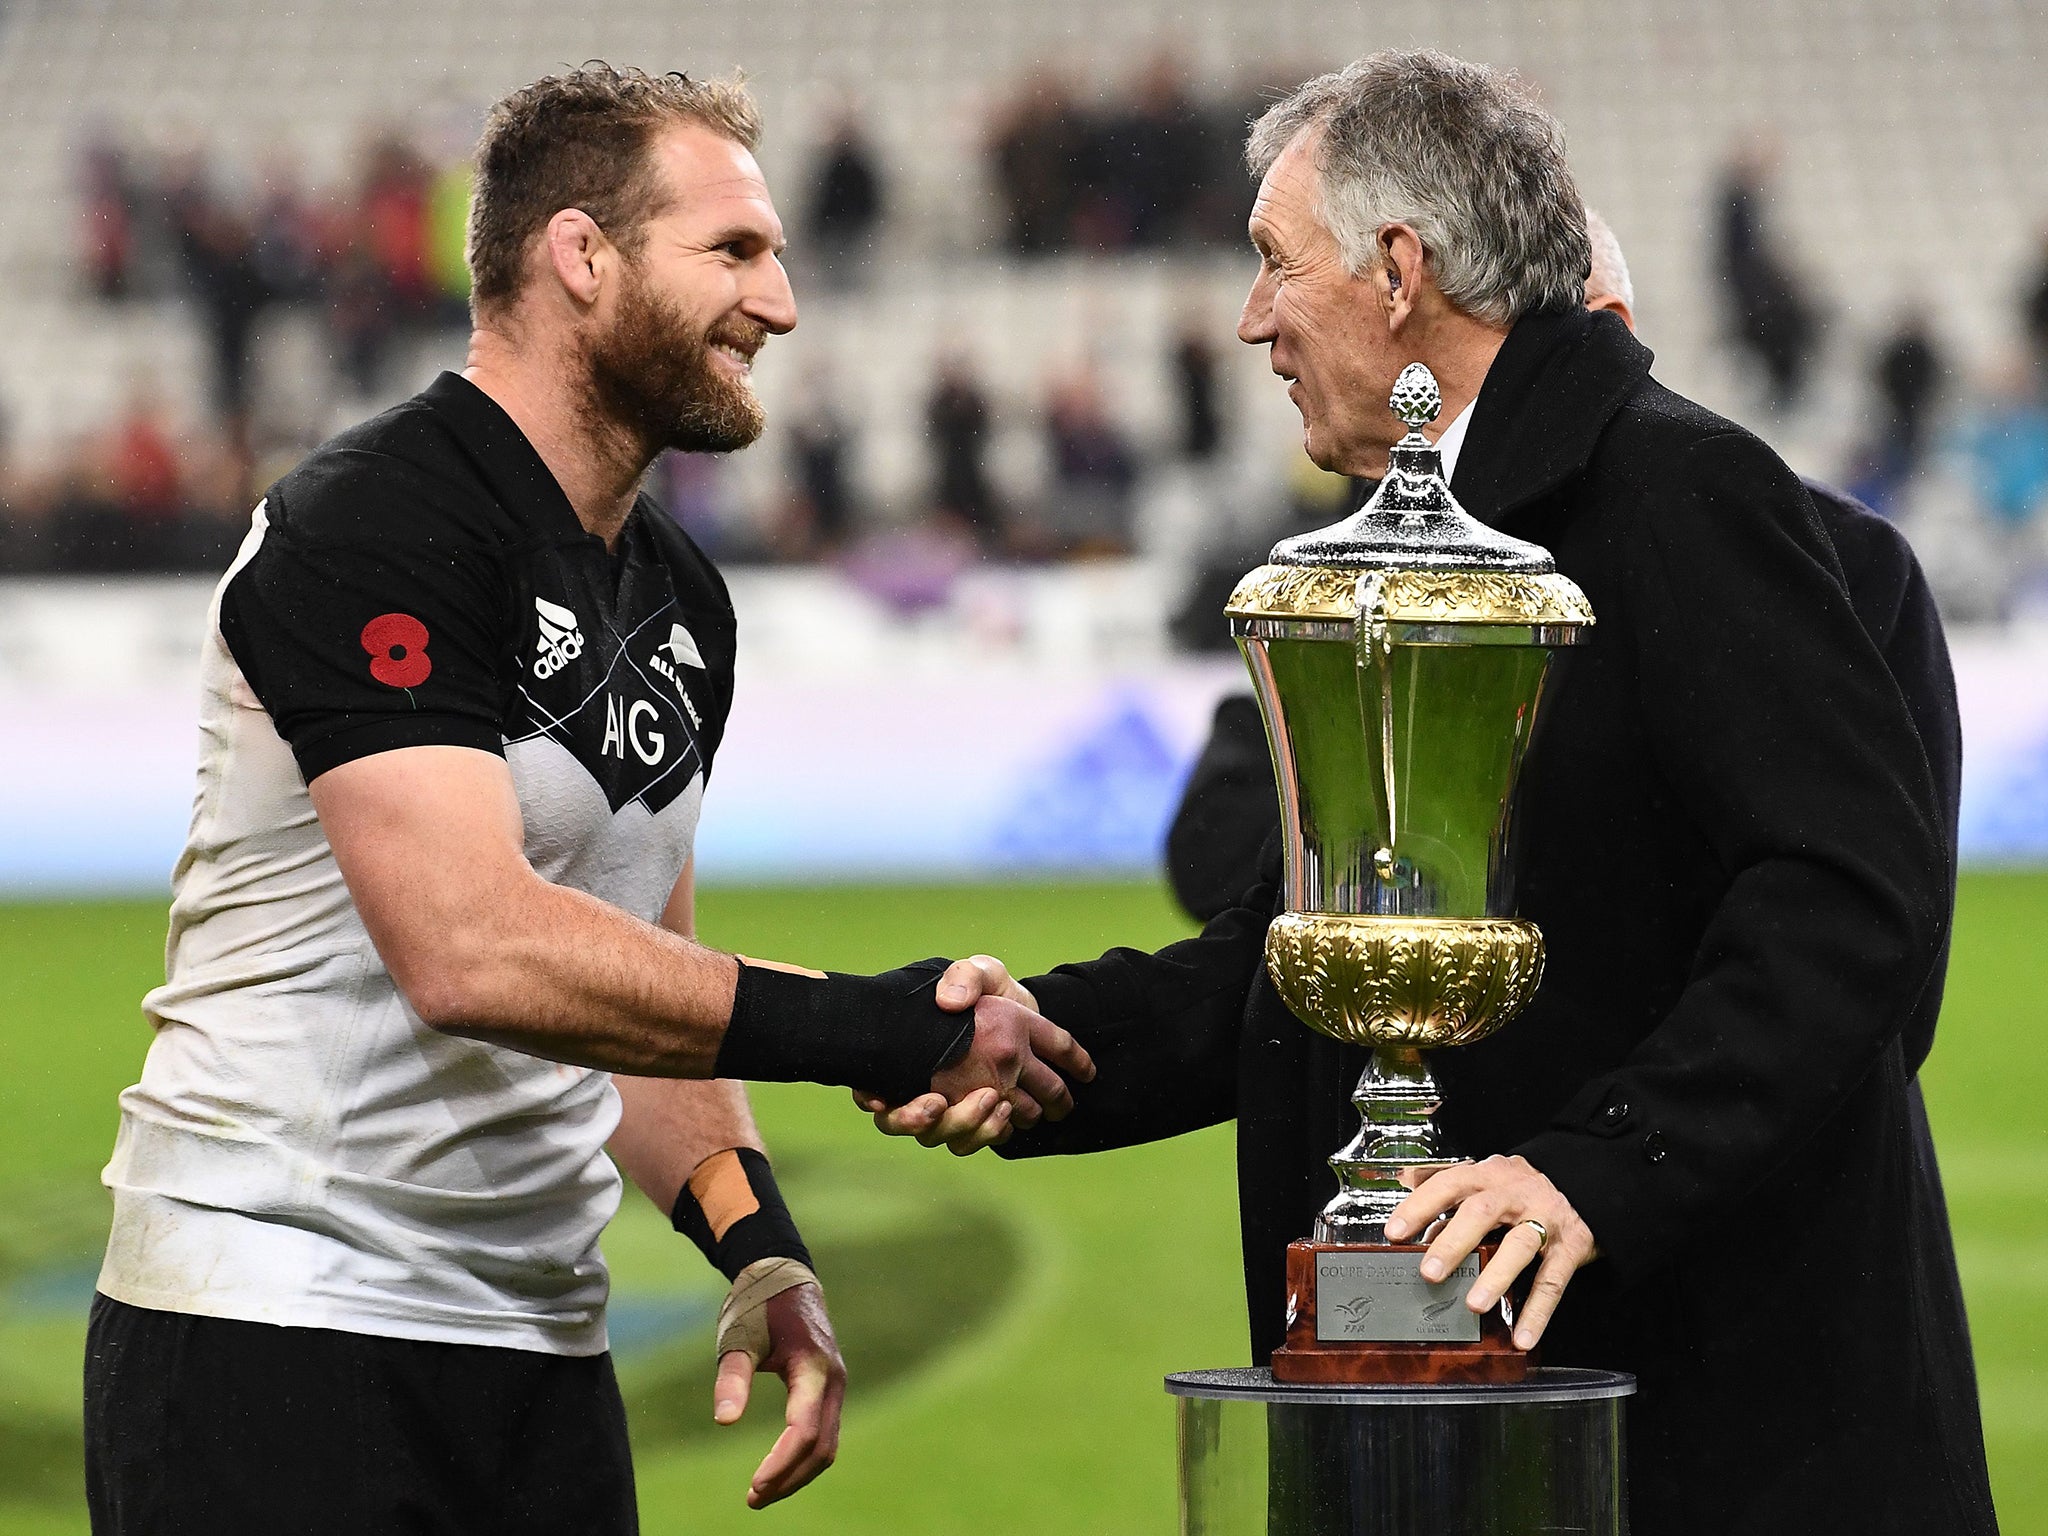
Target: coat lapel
1555,384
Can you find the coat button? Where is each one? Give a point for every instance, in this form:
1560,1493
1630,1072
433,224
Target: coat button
1653,1147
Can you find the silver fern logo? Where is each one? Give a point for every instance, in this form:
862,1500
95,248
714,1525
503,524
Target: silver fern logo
682,646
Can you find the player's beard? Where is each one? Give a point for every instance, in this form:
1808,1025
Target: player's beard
652,375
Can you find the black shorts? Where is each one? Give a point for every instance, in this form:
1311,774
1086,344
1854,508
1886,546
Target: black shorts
202,1426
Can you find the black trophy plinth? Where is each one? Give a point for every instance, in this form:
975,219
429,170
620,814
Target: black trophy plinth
1266,1458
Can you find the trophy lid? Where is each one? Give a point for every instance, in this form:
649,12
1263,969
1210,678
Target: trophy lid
1413,554
1413,521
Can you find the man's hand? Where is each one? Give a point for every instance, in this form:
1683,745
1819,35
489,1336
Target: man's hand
1011,1078
802,1351
1500,1192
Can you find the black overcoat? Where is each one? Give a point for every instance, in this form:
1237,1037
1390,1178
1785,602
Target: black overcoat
1731,838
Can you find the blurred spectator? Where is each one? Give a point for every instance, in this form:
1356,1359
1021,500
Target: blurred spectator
142,462
1159,169
448,239
380,281
1161,161
846,202
86,527
687,487
387,260
220,484
1094,471
393,214
110,205
1769,315
26,545
820,445
1223,195
384,286
1039,145
2005,440
447,132
133,497
20,542
2034,309
287,253
1143,165
1194,377
958,422
360,319
217,253
1906,380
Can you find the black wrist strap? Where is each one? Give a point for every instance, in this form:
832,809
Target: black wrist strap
885,1034
768,1232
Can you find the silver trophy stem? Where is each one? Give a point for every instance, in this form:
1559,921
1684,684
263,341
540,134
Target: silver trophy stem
1397,1098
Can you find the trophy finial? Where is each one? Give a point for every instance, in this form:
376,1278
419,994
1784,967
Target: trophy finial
1413,520
1416,399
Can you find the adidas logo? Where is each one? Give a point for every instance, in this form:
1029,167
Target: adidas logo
561,638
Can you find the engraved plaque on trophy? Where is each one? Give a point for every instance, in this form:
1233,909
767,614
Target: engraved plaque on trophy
1399,657
1378,1295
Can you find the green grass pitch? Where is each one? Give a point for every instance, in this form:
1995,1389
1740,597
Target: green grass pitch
1006,1327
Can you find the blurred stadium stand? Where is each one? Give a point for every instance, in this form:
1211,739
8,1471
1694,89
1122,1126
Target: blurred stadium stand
1909,179
1906,184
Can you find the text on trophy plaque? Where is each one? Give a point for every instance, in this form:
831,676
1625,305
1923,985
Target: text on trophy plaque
1382,1298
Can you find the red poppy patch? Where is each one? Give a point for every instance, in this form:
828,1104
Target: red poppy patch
397,643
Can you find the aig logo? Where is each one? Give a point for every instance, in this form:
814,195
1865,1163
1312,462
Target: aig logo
561,638
632,725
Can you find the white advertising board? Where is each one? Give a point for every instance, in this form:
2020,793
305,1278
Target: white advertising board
934,760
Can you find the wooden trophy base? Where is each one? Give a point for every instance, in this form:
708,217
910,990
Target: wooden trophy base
1371,1292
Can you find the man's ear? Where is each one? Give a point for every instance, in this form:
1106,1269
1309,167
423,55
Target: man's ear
578,254
1401,266
1615,302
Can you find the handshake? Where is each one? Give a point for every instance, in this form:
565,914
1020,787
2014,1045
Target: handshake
1011,1076
954,1054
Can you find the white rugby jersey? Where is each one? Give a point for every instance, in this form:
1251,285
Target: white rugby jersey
301,1149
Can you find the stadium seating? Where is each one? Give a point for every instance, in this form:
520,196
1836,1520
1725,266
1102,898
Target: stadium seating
1911,173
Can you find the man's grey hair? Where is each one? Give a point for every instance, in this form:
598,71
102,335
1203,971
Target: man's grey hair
1609,277
1462,154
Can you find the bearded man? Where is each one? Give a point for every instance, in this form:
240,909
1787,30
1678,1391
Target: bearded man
430,947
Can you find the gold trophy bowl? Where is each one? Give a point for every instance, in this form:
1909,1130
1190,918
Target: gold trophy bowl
1420,982
1399,658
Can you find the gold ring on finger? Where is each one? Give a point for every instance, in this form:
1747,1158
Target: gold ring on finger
1542,1232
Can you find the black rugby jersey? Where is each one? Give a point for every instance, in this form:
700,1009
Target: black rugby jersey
302,1149
423,580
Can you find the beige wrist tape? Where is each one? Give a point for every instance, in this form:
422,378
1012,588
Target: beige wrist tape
743,1320
722,1191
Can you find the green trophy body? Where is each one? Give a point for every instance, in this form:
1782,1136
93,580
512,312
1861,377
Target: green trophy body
1399,660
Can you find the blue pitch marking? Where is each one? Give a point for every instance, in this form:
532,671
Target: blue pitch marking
58,1290
640,1322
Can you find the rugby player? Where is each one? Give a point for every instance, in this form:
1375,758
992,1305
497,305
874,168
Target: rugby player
430,949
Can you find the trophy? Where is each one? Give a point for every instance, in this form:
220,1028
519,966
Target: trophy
1399,657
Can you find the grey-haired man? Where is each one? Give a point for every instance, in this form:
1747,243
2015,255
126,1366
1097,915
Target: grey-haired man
1731,839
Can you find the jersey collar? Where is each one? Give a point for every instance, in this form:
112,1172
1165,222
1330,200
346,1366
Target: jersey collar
518,477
